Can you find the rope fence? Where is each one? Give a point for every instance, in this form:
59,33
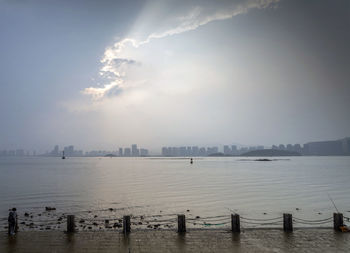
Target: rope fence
78,222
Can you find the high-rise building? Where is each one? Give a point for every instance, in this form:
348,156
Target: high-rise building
127,152
120,151
143,152
134,150
166,151
182,151
202,152
55,151
195,151
234,149
227,150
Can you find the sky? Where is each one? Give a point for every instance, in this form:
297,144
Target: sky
106,74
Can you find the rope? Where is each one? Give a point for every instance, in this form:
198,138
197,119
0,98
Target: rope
172,220
263,224
209,218
277,218
311,223
298,219
209,224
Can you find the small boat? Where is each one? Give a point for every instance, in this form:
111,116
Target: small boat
63,157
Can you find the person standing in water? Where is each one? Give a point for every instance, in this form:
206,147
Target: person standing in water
12,220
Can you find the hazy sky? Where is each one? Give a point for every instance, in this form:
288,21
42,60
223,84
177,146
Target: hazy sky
105,74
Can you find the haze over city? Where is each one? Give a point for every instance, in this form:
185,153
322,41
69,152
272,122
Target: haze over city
105,74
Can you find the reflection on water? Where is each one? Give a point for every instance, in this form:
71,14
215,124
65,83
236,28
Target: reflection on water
209,186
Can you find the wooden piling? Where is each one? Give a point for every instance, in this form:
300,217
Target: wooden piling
338,221
287,222
126,224
181,223
235,223
70,224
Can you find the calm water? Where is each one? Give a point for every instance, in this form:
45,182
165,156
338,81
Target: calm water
210,186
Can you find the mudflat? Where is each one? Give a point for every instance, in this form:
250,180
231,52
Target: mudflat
261,240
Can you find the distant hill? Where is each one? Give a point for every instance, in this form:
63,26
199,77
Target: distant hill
110,155
271,152
217,154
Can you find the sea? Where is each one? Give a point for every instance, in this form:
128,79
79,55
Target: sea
310,188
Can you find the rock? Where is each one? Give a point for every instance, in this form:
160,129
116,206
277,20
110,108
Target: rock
149,226
81,221
297,209
142,217
47,228
110,209
89,227
117,225
140,223
48,208
95,224
39,214
26,214
264,213
188,210
197,217
22,223
95,216
106,221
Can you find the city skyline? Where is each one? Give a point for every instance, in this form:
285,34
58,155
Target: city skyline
320,147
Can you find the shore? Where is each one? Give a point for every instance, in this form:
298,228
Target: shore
257,240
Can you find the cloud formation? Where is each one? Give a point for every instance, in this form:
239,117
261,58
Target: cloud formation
118,58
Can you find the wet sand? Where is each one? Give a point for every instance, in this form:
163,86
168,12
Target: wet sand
261,240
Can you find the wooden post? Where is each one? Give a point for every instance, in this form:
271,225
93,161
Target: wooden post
126,224
235,223
337,221
181,223
287,222
70,224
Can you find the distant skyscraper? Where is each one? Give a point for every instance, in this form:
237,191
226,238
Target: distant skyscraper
134,150
143,152
189,151
281,147
195,151
55,151
227,150
120,151
182,151
165,151
234,149
202,152
127,152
